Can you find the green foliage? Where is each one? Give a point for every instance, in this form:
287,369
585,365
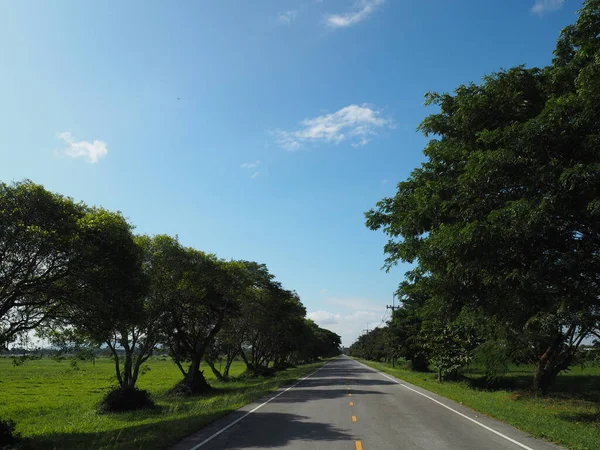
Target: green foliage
502,217
494,356
38,233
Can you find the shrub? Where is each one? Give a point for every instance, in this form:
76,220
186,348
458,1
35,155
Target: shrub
125,399
7,433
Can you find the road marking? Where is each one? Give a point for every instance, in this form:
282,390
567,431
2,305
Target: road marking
353,418
351,403
349,395
448,407
210,438
358,445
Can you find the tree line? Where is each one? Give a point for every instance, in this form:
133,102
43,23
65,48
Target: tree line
502,221
81,278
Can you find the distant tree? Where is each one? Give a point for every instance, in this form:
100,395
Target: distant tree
503,216
371,345
404,328
238,325
273,328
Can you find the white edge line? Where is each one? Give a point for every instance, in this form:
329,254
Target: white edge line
210,438
448,407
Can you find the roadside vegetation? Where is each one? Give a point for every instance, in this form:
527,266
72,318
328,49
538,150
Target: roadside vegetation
55,403
78,281
500,224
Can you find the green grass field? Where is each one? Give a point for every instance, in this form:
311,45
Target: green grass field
565,417
55,406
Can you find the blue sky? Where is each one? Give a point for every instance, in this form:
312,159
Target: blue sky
258,130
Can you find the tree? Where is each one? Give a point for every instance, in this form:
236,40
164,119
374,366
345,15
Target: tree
371,345
503,214
110,302
37,234
210,291
404,328
274,326
237,328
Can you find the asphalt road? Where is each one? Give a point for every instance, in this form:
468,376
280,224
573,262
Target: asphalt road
347,406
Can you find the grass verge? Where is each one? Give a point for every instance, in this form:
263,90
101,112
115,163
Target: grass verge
566,417
54,404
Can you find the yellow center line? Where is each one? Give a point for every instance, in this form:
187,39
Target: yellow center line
351,403
353,418
358,445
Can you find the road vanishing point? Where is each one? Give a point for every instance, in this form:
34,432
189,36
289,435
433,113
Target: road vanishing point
346,405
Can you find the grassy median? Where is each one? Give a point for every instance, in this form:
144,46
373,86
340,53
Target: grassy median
566,417
54,404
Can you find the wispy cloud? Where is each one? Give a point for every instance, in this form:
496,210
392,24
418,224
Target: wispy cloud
287,17
355,123
362,9
252,166
543,6
385,181
92,151
323,290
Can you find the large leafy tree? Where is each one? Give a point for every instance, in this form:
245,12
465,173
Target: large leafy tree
109,302
38,231
503,216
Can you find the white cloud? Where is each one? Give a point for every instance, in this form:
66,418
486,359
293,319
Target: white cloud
362,10
254,175
348,326
385,181
543,6
324,317
323,290
354,122
251,165
92,151
286,17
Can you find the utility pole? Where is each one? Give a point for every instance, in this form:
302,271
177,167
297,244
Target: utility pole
393,307
367,330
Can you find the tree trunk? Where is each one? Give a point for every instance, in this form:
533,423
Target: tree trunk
543,378
215,371
249,366
195,380
550,363
227,367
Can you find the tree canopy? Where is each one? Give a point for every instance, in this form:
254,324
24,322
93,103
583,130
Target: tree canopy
502,218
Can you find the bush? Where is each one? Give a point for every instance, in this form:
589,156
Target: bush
7,433
125,399
186,388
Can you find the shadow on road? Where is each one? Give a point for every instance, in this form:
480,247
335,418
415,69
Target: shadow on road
270,430
302,395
